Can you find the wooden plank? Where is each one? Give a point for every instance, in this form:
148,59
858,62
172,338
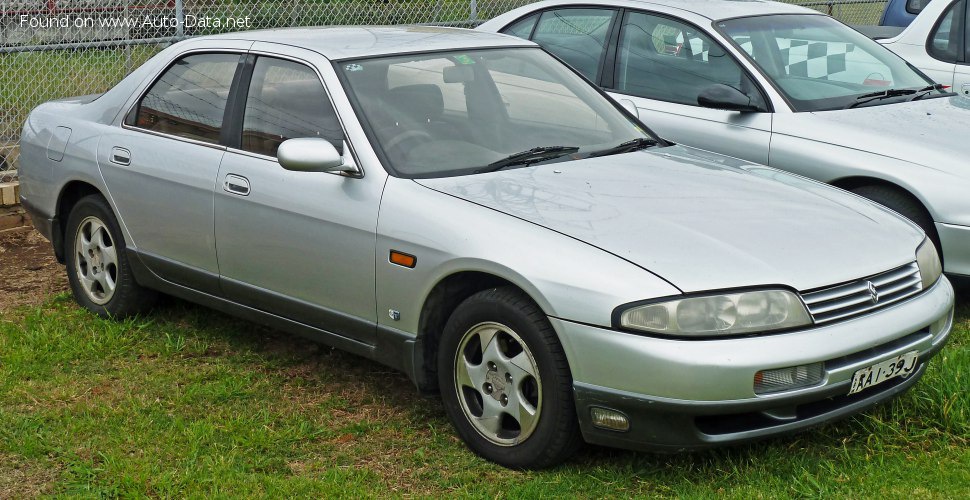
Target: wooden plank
11,218
9,194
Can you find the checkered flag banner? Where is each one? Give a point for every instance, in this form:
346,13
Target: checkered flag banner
814,59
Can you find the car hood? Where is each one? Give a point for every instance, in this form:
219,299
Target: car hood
925,132
699,220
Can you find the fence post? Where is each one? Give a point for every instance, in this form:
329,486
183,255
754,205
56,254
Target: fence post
473,10
179,19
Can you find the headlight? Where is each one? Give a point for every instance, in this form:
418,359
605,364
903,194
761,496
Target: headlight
928,261
719,315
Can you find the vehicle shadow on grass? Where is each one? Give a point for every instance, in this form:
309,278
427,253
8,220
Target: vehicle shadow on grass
898,424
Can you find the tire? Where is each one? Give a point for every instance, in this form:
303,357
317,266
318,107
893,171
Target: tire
904,203
519,415
97,265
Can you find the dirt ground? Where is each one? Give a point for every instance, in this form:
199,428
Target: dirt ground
29,274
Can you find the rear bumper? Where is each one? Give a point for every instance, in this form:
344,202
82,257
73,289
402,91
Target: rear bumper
681,395
955,240
45,224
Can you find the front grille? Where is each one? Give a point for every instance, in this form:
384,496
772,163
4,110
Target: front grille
854,298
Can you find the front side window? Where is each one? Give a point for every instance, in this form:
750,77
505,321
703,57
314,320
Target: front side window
819,63
189,99
946,41
577,36
659,58
460,112
286,101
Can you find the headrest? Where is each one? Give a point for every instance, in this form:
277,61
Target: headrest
420,102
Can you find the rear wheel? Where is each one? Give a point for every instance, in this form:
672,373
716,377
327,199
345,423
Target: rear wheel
904,203
97,266
505,381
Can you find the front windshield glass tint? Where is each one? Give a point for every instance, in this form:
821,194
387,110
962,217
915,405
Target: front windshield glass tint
819,63
455,113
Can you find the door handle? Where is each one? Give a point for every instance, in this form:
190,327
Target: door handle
121,156
236,184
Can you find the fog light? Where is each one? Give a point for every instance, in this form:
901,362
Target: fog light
786,379
609,419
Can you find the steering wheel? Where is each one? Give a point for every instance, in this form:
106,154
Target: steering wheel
401,143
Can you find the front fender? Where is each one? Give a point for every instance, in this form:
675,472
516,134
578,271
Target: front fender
567,278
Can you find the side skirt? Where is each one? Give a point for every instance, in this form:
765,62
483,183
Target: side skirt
392,348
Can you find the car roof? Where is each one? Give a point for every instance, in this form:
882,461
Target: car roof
710,9
342,42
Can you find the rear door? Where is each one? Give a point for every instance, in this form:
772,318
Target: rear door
961,74
299,244
161,165
946,47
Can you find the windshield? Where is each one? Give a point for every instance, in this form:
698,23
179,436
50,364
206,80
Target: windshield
464,112
819,63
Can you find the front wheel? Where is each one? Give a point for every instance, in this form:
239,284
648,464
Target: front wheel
97,266
505,381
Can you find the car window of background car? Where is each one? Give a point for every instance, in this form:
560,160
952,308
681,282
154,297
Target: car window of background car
947,37
189,99
522,28
916,6
817,62
454,113
659,58
577,36
286,101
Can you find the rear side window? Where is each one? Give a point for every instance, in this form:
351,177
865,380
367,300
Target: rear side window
577,36
916,6
287,101
189,99
946,41
523,27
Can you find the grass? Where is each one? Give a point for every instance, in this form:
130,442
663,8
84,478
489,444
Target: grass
186,402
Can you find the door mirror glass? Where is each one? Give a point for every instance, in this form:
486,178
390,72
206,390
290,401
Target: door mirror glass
311,155
719,96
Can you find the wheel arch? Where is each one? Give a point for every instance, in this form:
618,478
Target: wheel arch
857,181
70,194
436,309
853,183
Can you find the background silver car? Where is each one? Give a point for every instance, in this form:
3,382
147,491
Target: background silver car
780,85
462,207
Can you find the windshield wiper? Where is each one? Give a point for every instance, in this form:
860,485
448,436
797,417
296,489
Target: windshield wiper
626,147
925,91
526,157
882,94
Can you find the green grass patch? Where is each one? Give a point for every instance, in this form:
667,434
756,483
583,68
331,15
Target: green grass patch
188,402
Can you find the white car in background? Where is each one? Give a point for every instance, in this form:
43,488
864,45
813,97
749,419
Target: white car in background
780,85
938,43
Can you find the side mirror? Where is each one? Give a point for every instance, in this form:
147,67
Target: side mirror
630,106
719,96
312,154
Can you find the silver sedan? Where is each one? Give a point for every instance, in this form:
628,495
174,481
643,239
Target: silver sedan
779,85
464,208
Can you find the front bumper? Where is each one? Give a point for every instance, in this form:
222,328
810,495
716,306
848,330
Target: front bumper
688,394
955,240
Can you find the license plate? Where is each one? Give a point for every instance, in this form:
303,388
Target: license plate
900,366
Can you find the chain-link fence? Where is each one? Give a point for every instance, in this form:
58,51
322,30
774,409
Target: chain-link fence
51,49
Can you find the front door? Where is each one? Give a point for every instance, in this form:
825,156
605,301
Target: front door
662,65
299,244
